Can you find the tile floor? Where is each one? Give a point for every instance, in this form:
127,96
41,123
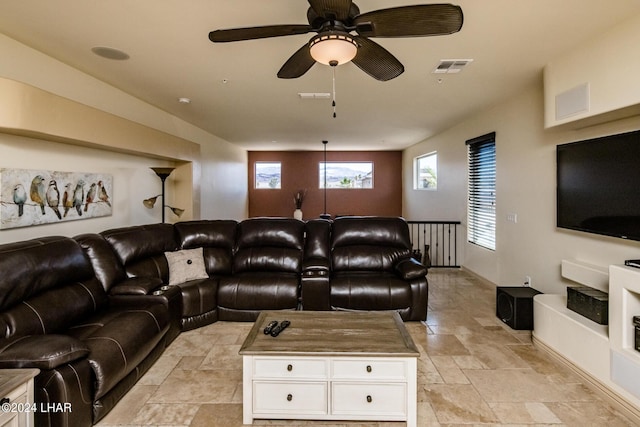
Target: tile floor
472,370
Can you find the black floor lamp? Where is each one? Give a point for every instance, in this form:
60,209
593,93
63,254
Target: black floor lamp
325,215
149,203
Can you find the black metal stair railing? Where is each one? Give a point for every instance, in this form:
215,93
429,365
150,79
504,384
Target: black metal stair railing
435,243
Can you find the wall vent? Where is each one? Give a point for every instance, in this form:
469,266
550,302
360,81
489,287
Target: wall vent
451,66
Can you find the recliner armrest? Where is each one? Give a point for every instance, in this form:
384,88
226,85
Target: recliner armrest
41,351
410,269
136,286
315,292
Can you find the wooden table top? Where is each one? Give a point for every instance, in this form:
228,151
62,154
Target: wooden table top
12,378
331,333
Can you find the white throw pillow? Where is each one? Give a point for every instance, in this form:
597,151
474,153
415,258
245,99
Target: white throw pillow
185,265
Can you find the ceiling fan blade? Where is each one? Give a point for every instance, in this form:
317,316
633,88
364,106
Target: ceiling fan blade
411,21
250,33
299,63
376,61
332,9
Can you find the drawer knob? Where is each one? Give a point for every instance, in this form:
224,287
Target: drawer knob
369,368
289,397
4,400
289,368
369,399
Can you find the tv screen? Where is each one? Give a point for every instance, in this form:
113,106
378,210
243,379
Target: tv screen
598,187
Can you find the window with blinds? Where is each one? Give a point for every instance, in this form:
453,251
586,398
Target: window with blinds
481,205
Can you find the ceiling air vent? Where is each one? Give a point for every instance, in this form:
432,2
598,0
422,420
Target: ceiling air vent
451,66
314,95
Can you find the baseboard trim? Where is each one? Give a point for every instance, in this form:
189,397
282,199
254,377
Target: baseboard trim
627,408
477,276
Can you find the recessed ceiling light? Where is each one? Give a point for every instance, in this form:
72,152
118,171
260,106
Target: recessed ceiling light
110,53
184,100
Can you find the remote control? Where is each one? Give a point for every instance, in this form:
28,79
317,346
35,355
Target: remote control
270,326
276,331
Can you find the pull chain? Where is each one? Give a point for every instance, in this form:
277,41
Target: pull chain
334,64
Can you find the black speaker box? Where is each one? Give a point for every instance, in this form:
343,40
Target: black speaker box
514,306
588,302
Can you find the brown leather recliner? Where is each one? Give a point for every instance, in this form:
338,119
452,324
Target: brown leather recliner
370,268
56,316
217,238
267,263
141,252
113,277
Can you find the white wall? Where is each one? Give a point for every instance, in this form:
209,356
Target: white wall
224,183
609,64
221,171
133,182
525,155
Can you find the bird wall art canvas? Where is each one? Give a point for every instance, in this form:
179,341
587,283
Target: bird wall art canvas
33,197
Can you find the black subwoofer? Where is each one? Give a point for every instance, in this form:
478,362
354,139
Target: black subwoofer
514,306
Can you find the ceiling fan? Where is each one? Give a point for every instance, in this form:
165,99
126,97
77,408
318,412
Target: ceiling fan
336,20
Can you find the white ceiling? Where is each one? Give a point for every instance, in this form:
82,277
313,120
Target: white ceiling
171,56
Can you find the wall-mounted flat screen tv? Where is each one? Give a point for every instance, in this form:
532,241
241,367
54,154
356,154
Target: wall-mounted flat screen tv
598,187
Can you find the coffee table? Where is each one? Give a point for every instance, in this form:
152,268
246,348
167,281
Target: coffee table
330,366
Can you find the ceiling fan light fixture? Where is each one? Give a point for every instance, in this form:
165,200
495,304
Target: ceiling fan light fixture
333,46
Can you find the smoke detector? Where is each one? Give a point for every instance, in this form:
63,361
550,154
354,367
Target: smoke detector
451,66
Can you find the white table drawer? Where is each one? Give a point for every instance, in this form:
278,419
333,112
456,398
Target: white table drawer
305,398
290,368
9,419
369,399
369,369
17,392
18,400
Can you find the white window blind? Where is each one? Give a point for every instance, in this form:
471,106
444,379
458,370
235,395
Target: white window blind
481,205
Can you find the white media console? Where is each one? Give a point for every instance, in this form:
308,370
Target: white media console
603,355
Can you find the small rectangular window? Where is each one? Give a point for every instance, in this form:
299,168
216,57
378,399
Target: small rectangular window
268,175
348,175
426,172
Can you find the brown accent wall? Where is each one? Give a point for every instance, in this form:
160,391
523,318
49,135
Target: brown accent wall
300,171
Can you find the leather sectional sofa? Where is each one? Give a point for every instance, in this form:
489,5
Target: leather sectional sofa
94,312
56,316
